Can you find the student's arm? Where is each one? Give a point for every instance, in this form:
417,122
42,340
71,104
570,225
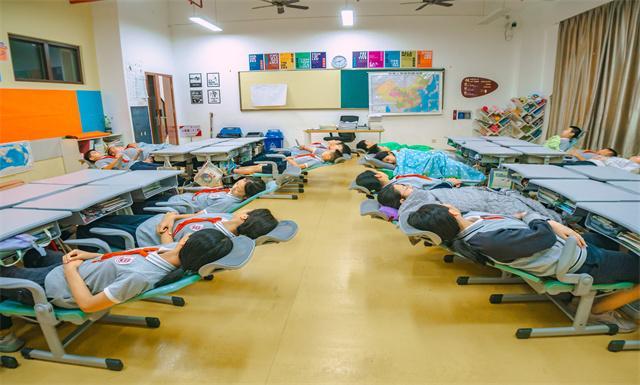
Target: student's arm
138,153
115,162
166,237
292,162
576,154
86,301
506,245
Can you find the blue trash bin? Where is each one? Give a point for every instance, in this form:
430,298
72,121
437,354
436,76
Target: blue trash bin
273,139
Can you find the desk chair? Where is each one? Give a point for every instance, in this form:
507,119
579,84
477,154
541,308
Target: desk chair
345,137
48,316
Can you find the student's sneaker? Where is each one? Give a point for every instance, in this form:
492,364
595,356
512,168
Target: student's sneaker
625,325
10,343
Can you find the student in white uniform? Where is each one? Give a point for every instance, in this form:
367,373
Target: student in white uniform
94,282
151,230
219,200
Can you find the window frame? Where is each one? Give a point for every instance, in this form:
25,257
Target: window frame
47,60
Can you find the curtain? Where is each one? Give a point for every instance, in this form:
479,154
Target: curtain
597,77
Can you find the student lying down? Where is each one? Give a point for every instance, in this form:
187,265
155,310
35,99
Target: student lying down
94,282
220,200
434,164
150,230
505,202
526,241
303,160
374,181
372,148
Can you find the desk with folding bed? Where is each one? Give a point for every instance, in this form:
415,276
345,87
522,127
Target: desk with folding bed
458,141
144,183
182,153
487,153
26,192
81,177
605,174
539,154
520,174
565,195
87,203
631,186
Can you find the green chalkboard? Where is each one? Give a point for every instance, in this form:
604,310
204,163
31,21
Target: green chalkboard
354,86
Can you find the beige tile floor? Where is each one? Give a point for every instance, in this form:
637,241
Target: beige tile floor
348,301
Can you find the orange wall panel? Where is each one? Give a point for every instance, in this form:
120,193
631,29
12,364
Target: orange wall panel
38,114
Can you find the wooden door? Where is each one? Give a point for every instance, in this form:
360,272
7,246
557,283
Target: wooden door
162,108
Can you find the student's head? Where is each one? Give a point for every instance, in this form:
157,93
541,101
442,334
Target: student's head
202,247
132,145
571,132
386,156
247,187
363,145
114,150
255,223
92,155
394,195
608,152
331,155
442,220
343,148
372,180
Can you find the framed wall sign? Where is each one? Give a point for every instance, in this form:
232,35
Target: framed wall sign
195,80
213,79
213,96
196,96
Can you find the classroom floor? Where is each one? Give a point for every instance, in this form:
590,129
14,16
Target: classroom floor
348,301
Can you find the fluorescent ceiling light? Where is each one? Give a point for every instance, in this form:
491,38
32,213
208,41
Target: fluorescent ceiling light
347,17
206,24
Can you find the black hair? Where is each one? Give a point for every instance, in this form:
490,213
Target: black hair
373,149
203,247
362,145
368,180
253,186
437,219
259,222
346,149
335,155
389,197
381,155
87,155
576,131
613,152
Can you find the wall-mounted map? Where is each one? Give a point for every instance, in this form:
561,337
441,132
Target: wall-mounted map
406,92
15,157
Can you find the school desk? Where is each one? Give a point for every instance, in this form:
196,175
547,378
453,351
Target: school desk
144,183
605,174
81,177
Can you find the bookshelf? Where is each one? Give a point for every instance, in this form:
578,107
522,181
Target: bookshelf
523,120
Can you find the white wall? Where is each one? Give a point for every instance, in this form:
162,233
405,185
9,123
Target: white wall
106,30
459,45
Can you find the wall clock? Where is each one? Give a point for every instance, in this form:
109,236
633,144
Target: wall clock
339,62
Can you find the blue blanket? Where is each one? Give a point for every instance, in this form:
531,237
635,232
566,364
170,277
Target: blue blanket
434,164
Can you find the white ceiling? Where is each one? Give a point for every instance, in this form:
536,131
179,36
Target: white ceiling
240,10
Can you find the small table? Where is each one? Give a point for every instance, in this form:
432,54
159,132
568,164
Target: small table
605,174
87,203
81,177
310,131
144,183
16,195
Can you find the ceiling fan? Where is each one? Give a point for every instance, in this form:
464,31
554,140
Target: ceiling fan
444,3
281,4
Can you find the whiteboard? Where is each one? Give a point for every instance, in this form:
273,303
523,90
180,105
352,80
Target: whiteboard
306,89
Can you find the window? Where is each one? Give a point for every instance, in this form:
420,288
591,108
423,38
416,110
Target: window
40,60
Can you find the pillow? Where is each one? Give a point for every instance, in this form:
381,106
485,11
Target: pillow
390,212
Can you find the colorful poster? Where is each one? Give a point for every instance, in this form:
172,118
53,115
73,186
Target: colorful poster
318,60
408,59
303,60
376,59
392,59
256,62
15,158
360,59
273,61
424,59
286,61
3,51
